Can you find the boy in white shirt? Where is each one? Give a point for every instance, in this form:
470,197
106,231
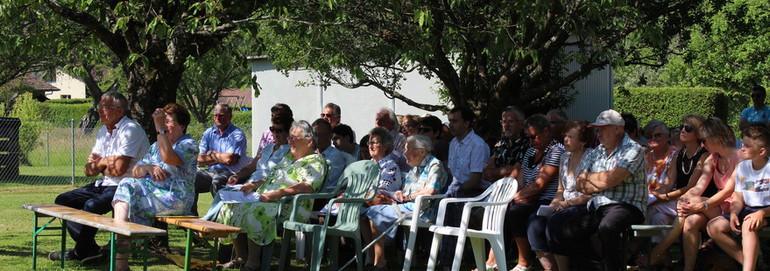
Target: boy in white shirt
751,200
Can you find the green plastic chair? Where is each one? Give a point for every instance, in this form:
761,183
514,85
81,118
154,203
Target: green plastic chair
361,178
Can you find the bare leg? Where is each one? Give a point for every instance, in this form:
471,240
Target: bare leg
524,251
378,247
120,210
750,246
561,261
672,236
719,230
547,260
693,224
255,256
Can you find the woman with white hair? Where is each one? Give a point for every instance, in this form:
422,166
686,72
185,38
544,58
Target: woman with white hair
426,177
300,171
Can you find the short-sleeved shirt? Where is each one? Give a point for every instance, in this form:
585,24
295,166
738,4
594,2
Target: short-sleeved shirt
232,140
508,152
465,157
632,190
127,139
429,174
337,164
754,184
390,174
752,115
531,168
267,138
268,160
567,181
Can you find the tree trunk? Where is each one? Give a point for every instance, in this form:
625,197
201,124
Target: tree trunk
150,88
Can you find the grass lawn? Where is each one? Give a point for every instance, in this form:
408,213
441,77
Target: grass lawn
16,227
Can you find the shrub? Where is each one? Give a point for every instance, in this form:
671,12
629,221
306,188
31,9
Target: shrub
64,111
31,112
670,104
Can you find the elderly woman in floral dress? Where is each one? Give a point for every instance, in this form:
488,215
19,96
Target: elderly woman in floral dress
302,170
426,177
162,182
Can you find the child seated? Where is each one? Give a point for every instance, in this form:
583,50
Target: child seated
751,200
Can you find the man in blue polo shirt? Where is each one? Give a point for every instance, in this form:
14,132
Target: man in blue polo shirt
757,113
223,149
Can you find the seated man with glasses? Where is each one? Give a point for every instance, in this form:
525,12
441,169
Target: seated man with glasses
223,149
509,151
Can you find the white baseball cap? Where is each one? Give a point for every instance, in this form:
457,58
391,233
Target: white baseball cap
608,117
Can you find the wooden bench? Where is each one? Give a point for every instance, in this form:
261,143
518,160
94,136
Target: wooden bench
203,229
124,230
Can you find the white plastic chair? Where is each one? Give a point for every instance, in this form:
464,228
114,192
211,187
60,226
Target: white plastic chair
414,222
495,202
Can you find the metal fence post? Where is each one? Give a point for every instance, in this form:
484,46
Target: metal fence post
72,154
47,150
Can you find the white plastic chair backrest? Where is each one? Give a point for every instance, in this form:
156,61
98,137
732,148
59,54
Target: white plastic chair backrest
501,191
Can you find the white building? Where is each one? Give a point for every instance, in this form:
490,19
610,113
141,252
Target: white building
69,87
361,104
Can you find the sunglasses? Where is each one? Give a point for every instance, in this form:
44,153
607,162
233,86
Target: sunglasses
327,115
276,130
686,128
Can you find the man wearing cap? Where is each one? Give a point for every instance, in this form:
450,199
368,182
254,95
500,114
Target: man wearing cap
615,179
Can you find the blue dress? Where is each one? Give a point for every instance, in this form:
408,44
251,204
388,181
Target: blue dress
147,198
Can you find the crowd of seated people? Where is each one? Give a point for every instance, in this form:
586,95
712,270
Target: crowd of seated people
582,183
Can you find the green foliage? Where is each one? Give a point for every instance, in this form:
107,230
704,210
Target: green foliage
63,111
670,104
487,54
30,112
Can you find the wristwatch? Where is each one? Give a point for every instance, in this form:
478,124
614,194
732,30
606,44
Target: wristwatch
161,132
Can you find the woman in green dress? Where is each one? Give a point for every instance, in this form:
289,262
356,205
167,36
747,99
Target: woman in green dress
302,170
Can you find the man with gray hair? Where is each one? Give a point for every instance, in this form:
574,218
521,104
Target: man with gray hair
616,180
386,119
332,114
558,118
511,148
120,143
223,149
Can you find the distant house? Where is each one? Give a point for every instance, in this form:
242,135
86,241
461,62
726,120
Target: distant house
235,97
68,87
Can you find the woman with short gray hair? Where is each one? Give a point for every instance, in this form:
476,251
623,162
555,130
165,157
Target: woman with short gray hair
380,148
426,177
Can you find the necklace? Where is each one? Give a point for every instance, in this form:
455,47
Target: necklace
690,159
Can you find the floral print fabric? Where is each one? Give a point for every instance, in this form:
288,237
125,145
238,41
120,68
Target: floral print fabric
147,198
258,219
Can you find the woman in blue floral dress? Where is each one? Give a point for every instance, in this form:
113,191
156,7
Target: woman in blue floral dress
162,182
302,170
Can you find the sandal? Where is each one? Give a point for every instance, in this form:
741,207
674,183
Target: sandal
487,267
520,268
233,264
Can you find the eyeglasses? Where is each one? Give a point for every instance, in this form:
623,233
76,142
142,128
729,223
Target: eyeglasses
327,115
374,143
425,129
291,138
106,107
276,130
686,128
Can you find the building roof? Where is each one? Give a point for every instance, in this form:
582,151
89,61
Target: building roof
235,96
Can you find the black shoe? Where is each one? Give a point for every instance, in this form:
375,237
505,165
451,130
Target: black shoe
56,255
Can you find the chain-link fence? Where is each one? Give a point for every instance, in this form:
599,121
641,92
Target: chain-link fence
50,152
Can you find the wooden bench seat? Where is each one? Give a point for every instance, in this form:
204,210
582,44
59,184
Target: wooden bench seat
203,229
123,230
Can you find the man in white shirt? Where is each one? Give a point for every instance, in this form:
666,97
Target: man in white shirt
120,143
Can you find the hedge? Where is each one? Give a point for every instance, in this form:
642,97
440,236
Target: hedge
69,101
64,111
670,104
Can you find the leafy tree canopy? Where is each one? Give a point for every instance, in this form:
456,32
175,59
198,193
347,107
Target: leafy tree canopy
486,53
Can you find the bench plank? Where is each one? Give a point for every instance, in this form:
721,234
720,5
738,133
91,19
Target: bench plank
127,229
206,229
